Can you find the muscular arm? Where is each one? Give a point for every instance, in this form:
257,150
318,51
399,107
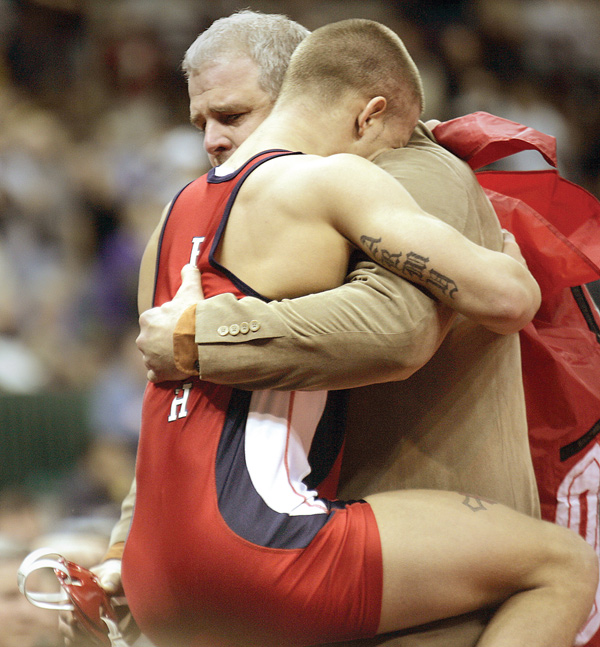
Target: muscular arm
147,274
494,289
120,530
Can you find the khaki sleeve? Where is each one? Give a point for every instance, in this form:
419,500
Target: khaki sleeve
121,528
375,328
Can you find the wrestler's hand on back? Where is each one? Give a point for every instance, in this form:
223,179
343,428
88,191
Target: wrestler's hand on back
511,247
157,325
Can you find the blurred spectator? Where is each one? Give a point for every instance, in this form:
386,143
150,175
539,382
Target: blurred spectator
23,516
550,48
99,481
116,395
22,519
561,38
25,526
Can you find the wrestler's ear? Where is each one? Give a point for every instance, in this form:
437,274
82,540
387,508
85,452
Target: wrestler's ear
371,114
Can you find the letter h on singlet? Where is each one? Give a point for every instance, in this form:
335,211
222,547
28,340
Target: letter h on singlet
179,403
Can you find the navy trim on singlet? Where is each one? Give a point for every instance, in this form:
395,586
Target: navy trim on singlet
213,178
241,506
328,439
239,284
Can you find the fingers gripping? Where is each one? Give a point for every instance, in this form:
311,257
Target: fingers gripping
157,326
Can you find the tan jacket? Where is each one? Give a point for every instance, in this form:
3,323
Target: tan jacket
456,423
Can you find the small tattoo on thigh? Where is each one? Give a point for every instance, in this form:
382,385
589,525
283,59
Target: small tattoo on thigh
476,503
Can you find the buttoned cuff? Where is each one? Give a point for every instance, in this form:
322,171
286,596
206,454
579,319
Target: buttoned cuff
223,319
242,328
185,350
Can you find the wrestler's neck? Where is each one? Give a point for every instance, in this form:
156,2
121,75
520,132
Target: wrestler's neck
311,132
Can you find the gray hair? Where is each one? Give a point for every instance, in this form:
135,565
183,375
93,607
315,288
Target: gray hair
267,39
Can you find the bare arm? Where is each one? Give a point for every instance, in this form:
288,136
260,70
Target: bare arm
324,340
492,288
376,328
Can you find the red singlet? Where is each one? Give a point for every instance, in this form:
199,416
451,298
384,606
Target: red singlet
230,542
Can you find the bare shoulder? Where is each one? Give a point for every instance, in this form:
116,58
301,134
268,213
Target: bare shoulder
312,187
355,175
315,167
343,164
337,176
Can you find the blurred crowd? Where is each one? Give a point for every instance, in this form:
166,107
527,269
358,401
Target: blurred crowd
95,140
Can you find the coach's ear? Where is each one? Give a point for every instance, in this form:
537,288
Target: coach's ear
370,115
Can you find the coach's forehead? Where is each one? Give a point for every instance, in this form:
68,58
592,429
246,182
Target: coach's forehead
224,75
226,85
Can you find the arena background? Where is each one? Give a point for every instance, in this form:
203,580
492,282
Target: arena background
95,140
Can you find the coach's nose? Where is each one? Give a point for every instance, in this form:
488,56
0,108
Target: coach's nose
217,144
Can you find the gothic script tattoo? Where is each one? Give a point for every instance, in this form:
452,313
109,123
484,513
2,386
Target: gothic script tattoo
476,503
411,265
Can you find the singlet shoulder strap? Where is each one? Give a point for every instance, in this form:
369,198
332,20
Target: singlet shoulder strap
249,166
240,177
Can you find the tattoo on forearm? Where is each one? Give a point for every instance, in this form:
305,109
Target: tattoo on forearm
371,244
414,266
476,503
442,283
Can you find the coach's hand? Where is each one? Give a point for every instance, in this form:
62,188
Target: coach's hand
157,325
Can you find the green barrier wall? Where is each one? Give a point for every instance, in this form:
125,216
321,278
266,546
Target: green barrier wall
41,436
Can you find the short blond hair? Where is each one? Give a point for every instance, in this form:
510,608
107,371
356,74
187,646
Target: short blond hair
360,55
